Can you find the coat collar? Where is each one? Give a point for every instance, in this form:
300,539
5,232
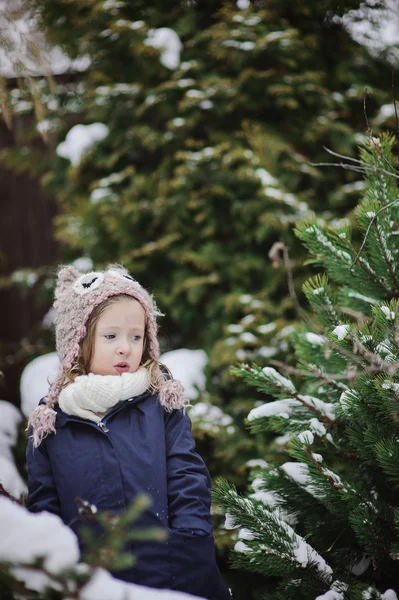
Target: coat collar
62,418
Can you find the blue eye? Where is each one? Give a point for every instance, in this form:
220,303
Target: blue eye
109,336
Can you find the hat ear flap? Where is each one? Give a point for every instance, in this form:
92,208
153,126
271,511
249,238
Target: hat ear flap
66,276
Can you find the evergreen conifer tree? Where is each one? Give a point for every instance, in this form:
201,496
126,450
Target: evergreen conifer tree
321,520
205,159
206,156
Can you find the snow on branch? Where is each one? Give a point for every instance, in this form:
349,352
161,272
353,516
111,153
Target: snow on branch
43,553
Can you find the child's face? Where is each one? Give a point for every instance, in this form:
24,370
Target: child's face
119,338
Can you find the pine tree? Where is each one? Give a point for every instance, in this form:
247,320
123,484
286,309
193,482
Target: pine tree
321,520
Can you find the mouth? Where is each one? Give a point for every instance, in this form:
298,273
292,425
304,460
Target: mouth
122,367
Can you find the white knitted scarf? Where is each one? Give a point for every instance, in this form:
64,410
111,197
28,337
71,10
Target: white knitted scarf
92,396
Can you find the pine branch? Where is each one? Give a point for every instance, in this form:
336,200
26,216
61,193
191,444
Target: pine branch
372,221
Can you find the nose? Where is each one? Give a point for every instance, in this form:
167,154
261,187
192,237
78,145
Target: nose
123,348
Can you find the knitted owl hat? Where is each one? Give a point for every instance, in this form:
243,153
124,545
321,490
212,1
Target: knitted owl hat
76,296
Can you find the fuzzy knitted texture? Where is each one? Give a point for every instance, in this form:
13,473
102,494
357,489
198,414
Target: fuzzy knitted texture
92,396
76,296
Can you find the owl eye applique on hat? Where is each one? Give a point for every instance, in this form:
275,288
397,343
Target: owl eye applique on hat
88,282
121,275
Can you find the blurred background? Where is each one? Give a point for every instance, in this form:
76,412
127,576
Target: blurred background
183,141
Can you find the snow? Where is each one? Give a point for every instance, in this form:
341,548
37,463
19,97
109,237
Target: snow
267,351
336,592
234,328
102,586
112,4
210,418
28,537
297,471
324,408
389,595
267,498
278,379
229,522
84,264
361,297
35,379
185,82
278,408
10,478
387,111
390,386
25,277
331,475
10,419
23,32
256,462
303,552
188,367
384,349
248,338
317,427
246,534
241,547
253,21
317,457
170,43
281,440
285,331
267,328
248,319
195,94
361,566
265,177
315,339
306,437
376,29
80,139
388,313
48,319
100,193
325,242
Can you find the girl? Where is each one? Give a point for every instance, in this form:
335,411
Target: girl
113,425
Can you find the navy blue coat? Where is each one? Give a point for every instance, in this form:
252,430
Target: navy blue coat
139,448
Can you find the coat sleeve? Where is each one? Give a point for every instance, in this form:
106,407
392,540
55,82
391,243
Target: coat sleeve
189,486
192,557
42,491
